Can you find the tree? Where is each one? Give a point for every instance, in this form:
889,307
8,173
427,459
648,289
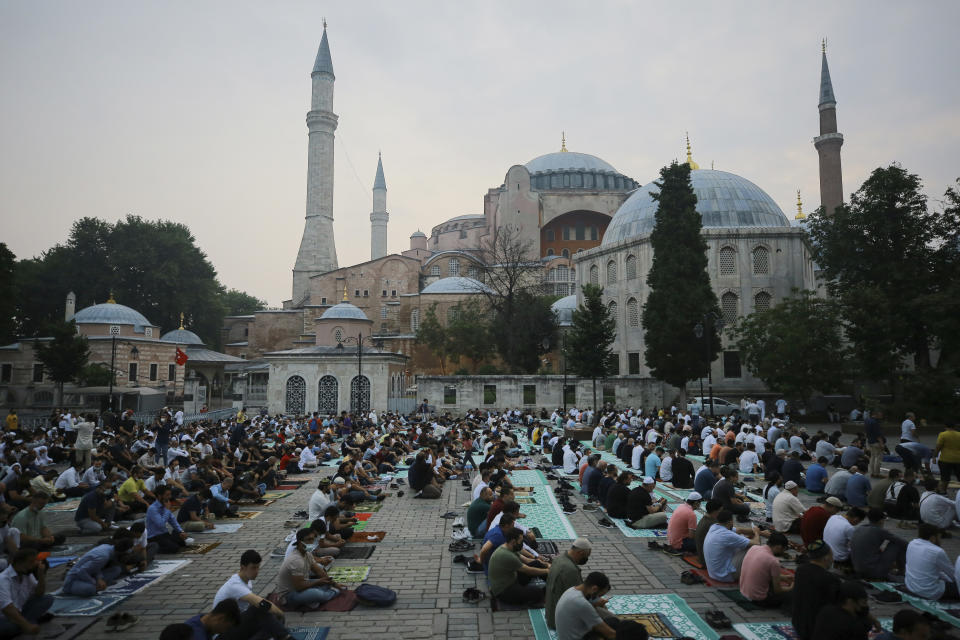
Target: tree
588,345
523,325
64,356
95,374
680,292
891,263
795,347
433,336
8,305
468,334
238,303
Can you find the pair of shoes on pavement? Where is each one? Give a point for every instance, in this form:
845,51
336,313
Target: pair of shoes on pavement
474,567
461,545
717,619
121,622
606,524
473,596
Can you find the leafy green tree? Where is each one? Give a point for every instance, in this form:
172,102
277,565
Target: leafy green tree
64,356
588,350
680,291
95,374
892,264
8,305
238,303
469,333
433,336
796,347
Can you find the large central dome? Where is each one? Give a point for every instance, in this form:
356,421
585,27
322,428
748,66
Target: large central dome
724,200
567,160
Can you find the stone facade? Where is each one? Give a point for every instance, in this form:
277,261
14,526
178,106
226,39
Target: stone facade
458,394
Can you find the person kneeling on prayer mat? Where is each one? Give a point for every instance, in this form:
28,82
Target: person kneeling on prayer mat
158,517
577,616
295,585
682,526
259,618
760,573
510,577
91,574
814,587
22,598
194,514
849,618
643,513
564,574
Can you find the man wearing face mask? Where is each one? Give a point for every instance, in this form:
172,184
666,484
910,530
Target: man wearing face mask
577,616
22,598
294,584
510,577
96,510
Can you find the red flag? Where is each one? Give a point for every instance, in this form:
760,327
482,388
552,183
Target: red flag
181,357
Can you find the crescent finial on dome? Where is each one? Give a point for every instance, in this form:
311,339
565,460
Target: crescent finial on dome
563,141
693,165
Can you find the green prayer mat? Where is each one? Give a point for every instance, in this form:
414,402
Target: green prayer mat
931,606
544,513
781,630
348,574
368,507
359,526
673,616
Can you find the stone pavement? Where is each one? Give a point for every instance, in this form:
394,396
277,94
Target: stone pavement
414,561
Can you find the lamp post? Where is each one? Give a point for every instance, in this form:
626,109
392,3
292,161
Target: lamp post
710,321
113,371
698,331
359,342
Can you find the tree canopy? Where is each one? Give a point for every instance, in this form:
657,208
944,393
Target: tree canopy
65,356
680,291
587,348
8,304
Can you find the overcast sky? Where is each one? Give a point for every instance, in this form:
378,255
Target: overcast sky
194,112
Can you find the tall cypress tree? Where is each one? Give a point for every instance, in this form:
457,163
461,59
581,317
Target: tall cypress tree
680,291
588,351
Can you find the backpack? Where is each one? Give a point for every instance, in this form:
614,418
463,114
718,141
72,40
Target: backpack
373,596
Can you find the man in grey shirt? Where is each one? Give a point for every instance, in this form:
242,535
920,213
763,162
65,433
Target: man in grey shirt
577,613
874,551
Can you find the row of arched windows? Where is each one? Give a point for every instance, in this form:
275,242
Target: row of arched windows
727,261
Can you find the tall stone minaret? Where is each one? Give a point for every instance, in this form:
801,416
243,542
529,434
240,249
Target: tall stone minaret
318,252
71,306
828,143
379,215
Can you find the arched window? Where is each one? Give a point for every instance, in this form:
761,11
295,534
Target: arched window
453,313
550,252
611,272
612,307
761,261
565,253
730,306
453,267
594,274
573,274
414,320
761,302
633,312
327,393
296,395
728,261
435,270
360,394
338,334
631,267
562,273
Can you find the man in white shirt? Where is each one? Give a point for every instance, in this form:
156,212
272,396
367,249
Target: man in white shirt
636,457
838,532
666,466
68,483
935,509
709,441
929,572
178,417
22,597
319,500
267,620
749,460
307,459
762,404
908,429
787,509
570,460
781,408
94,475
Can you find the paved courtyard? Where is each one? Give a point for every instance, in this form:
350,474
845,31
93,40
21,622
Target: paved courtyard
413,560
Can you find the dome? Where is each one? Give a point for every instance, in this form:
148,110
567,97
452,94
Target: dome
344,311
563,309
456,284
564,160
182,336
418,234
724,200
111,313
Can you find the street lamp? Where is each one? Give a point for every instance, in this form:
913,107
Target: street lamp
359,342
710,321
113,358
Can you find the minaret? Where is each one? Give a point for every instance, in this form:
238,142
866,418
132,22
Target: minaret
828,143
71,307
318,253
379,216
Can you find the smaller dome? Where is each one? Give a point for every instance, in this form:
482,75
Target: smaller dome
111,313
456,284
418,234
181,336
564,160
563,309
344,311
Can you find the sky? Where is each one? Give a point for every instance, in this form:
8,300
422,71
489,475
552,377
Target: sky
195,112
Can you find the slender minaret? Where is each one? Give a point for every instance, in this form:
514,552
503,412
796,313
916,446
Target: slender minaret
71,307
318,252
828,143
379,215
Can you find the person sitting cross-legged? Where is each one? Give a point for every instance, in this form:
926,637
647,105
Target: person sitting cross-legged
577,616
295,585
159,517
682,526
510,577
194,514
91,573
96,510
760,574
643,512
34,531
724,550
929,573
321,553
23,600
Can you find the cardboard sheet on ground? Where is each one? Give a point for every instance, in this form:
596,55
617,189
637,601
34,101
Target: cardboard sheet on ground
221,527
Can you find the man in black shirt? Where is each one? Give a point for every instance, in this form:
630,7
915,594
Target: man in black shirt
194,514
849,619
771,461
814,588
874,551
725,493
792,468
606,483
618,497
642,512
682,471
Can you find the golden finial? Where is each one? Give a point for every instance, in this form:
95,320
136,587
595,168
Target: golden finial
324,24
110,300
563,141
181,320
344,291
823,45
693,165
800,215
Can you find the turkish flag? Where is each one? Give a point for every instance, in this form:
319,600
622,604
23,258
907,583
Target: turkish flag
181,357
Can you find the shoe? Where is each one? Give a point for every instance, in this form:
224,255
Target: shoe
460,534
126,621
606,524
461,545
589,507
474,567
449,515
188,541
569,508
473,596
461,559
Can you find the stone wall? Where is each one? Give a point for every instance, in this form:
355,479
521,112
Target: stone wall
500,392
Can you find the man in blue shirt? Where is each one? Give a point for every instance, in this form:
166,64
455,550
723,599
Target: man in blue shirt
706,477
851,454
495,537
724,549
652,465
91,573
158,517
220,501
224,617
591,477
817,476
858,487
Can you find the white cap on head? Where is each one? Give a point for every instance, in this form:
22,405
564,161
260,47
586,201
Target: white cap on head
694,496
790,485
647,480
583,544
339,481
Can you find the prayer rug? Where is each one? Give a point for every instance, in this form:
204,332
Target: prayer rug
784,630
694,561
288,487
525,500
275,495
657,626
367,536
547,547
346,601
368,507
73,606
70,504
308,633
222,527
245,515
363,517
544,513
672,613
931,606
637,533
200,549
710,582
355,553
348,574
359,526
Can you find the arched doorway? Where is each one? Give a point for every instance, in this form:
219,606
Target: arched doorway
296,395
328,390
360,394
